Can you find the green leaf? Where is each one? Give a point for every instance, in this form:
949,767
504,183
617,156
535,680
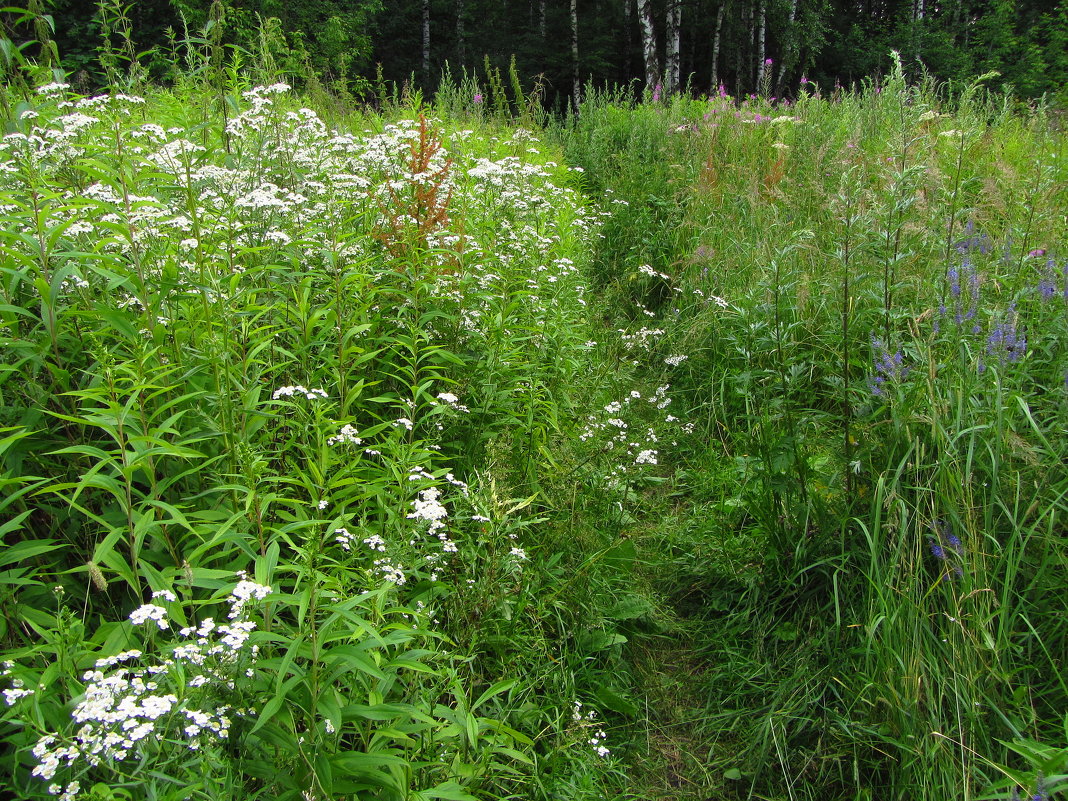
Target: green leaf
610,699
363,763
448,791
382,712
496,689
27,549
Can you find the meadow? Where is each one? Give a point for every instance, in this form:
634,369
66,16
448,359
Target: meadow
684,449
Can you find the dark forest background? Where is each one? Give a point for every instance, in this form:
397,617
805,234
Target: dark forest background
746,46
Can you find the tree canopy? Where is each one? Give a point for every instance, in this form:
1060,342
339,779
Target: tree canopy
745,46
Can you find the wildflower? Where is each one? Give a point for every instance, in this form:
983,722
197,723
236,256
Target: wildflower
344,538
151,612
965,306
375,543
946,547
310,394
888,369
452,401
15,692
478,98
346,436
427,507
1047,283
53,88
1004,342
973,242
646,457
391,572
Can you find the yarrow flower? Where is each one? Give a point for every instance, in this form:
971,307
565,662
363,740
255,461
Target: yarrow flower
16,691
126,700
587,720
148,612
310,394
449,399
428,507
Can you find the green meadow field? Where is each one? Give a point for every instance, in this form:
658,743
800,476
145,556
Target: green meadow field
695,449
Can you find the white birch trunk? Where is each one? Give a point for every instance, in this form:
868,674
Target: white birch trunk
426,40
715,47
652,68
673,30
791,49
541,19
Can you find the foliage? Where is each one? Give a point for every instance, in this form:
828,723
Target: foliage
860,306
247,348
384,455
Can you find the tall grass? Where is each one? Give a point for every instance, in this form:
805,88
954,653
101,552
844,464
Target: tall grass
870,293
706,448
307,381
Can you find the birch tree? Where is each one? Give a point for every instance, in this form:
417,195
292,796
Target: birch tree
652,67
426,42
761,32
673,36
791,46
715,45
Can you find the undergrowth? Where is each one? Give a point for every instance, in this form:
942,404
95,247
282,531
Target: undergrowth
353,454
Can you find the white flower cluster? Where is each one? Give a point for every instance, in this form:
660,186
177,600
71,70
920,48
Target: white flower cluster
129,700
611,428
587,721
391,572
428,507
642,339
375,543
310,394
344,538
647,270
449,399
348,435
18,687
147,612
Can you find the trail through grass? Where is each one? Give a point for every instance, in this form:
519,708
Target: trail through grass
697,450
